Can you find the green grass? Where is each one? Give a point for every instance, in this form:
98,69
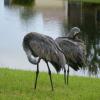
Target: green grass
18,85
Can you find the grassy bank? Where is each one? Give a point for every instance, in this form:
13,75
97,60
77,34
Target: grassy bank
18,85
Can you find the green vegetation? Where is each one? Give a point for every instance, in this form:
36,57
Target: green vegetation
90,1
18,85
23,2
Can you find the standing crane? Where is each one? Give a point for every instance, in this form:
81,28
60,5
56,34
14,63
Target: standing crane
73,49
38,46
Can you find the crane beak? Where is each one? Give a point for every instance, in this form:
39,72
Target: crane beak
75,33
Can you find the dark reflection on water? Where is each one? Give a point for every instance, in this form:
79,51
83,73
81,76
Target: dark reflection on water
19,2
87,17
53,21
26,8
23,2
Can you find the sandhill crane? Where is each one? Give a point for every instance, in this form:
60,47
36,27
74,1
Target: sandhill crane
73,49
38,46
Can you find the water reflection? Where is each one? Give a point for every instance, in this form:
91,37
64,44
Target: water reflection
53,19
87,17
26,8
19,2
18,20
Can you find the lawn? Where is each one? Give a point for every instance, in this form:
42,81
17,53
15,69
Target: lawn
18,85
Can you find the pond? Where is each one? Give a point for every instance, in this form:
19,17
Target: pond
53,18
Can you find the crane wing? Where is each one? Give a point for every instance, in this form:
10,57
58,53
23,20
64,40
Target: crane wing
72,52
44,48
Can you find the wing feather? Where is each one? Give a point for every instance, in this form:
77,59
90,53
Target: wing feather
44,48
72,51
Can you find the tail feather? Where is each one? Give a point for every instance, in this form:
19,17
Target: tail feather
56,66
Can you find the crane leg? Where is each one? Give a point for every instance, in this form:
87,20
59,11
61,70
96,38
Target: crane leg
67,74
37,72
49,71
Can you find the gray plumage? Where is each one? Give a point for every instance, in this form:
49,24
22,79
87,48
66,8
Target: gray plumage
73,33
73,49
38,46
73,52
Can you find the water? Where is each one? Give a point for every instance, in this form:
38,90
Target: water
53,18
17,21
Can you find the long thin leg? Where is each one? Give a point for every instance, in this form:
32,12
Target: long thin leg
67,74
37,72
49,71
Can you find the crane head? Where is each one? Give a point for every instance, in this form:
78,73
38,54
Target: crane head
75,31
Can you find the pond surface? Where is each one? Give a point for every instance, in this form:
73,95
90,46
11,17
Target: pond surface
53,19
